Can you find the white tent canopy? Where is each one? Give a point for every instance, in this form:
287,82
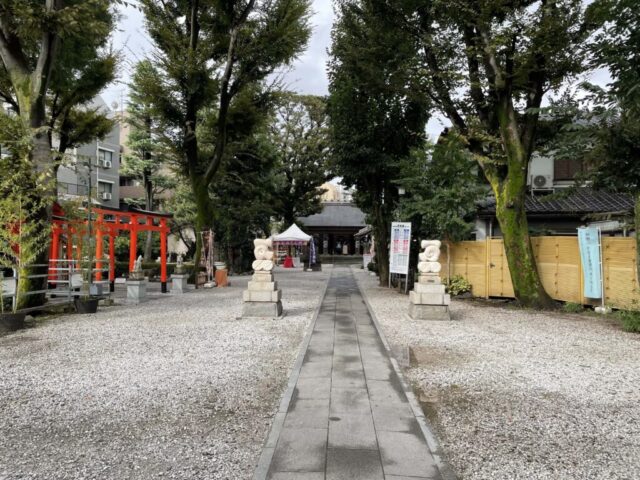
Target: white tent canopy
293,234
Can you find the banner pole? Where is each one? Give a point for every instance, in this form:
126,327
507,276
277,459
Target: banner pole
601,268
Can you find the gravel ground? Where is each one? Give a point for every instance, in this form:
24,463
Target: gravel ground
515,394
176,388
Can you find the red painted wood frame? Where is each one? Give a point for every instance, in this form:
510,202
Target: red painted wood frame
110,223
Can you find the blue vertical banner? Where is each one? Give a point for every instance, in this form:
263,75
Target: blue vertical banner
589,242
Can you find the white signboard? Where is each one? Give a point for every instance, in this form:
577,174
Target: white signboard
400,247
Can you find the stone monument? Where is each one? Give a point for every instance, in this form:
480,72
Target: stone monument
262,297
136,283
428,300
179,278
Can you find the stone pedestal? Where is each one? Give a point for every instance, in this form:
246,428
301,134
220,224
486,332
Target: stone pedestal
179,283
262,297
96,290
136,291
428,300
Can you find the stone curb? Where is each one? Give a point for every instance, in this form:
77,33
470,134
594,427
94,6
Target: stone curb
269,446
434,446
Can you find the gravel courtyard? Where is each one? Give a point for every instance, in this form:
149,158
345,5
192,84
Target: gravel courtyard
175,388
514,394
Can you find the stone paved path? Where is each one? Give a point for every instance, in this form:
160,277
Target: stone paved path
349,417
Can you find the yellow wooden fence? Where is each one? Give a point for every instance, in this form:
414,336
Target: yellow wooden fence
484,265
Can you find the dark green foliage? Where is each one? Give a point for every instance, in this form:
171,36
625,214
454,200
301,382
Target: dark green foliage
616,46
457,285
377,111
442,187
487,66
630,320
243,201
212,59
571,307
300,135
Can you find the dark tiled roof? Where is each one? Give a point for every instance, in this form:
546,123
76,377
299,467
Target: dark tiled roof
581,201
336,215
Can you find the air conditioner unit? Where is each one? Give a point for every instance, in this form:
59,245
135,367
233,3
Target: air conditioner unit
541,182
107,164
106,195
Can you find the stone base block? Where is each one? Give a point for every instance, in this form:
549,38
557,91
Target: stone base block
429,312
429,288
136,291
262,277
261,296
429,298
179,283
429,278
262,286
262,309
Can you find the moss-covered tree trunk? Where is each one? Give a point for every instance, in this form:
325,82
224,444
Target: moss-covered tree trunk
204,213
510,187
40,186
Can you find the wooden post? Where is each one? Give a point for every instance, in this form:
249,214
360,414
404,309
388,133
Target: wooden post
133,241
53,254
487,265
163,254
99,252
112,262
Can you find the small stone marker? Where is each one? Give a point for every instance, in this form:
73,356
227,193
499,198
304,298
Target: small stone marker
136,283
179,278
262,297
428,300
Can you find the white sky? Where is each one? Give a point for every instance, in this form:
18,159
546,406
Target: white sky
307,75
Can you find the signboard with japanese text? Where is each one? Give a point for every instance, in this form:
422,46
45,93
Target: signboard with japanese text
400,247
589,242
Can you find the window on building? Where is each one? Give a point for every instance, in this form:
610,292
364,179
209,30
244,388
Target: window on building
105,187
105,158
567,169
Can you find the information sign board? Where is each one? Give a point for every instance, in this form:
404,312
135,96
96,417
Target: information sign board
400,247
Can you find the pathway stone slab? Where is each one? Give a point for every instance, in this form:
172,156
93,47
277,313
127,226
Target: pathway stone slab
348,417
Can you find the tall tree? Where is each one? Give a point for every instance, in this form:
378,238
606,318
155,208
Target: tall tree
34,36
487,66
377,111
617,48
300,133
208,53
147,158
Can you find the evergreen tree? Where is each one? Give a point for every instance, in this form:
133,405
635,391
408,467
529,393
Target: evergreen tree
147,157
38,39
377,112
210,56
300,134
487,66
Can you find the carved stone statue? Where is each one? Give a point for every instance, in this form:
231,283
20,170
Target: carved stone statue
428,300
180,268
264,255
262,298
137,273
429,257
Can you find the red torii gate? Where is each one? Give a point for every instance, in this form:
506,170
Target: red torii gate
109,222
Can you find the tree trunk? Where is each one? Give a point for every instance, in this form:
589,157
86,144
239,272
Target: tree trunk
41,162
511,214
204,213
637,226
148,194
381,229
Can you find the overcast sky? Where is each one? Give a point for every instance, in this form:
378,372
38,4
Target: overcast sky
307,75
